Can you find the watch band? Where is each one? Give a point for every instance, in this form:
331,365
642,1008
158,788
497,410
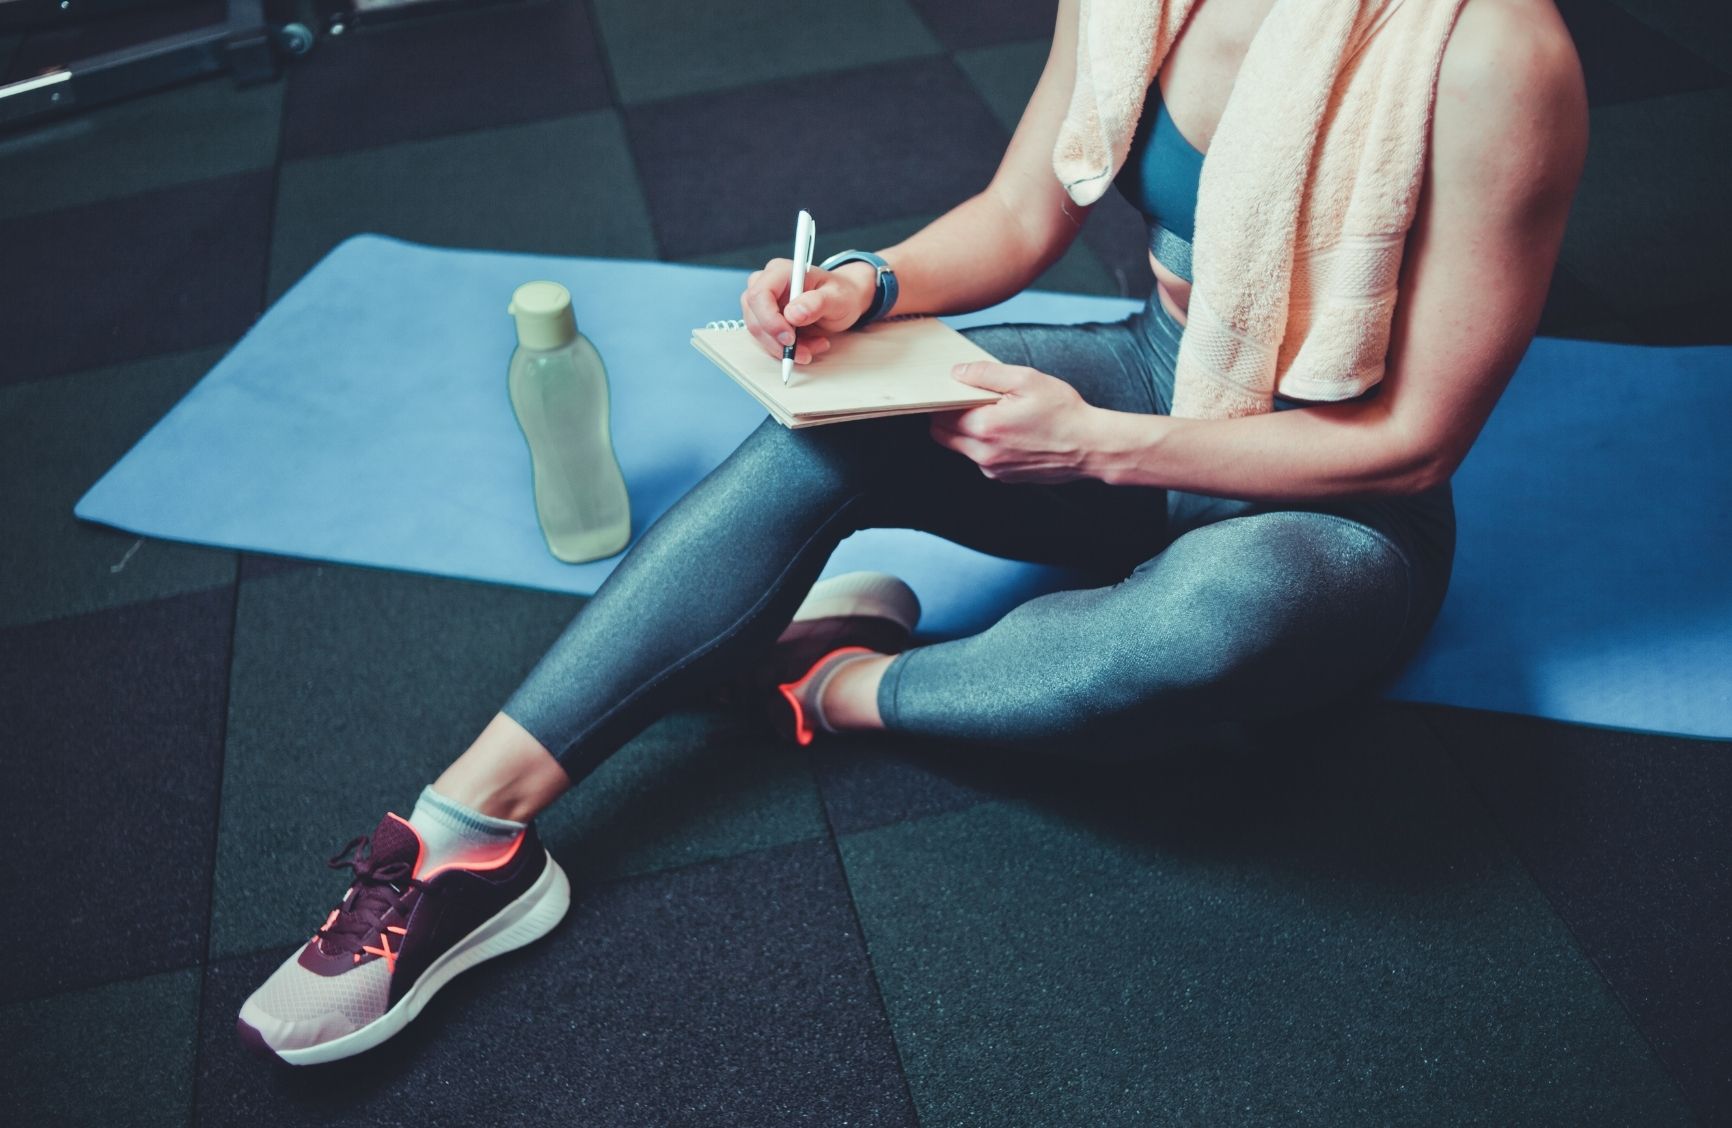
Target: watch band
884,296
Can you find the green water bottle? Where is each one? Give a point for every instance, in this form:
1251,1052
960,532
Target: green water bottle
558,388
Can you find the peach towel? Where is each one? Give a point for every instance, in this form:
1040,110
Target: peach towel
1309,187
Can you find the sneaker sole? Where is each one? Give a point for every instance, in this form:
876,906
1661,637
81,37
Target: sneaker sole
877,595
522,922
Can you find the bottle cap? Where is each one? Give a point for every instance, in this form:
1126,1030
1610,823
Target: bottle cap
544,317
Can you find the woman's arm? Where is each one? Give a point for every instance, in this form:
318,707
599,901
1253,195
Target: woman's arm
1508,140
984,250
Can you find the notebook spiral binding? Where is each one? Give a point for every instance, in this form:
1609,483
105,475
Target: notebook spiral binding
740,323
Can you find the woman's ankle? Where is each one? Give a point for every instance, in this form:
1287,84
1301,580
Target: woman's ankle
850,698
505,774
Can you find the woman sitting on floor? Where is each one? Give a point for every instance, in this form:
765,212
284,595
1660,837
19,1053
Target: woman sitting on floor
1262,484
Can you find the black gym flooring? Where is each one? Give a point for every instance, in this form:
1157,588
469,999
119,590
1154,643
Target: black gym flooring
1385,914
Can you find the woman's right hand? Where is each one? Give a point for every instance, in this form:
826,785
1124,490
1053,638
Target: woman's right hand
830,302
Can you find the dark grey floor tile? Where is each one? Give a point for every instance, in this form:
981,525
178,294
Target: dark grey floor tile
1574,309
868,237
1624,59
174,137
972,23
165,270
1324,931
353,688
697,785
1704,26
111,746
703,160
258,565
735,992
1648,229
492,65
1627,833
564,186
671,48
1005,75
874,779
62,435
121,1053
1700,322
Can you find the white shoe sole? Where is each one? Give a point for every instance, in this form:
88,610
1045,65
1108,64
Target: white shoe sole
525,920
876,595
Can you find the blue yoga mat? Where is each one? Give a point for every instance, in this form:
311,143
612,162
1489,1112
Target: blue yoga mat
365,420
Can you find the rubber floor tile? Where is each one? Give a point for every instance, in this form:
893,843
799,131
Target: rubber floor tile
1624,59
1006,76
1700,322
702,159
1574,310
1077,271
173,137
1701,25
121,1053
1648,227
699,784
735,992
354,688
161,271
62,434
491,65
1627,834
564,186
973,23
671,48
110,743
1332,933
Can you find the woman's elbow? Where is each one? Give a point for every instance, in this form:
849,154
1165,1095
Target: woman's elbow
1418,469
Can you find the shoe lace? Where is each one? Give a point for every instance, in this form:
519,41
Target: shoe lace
377,890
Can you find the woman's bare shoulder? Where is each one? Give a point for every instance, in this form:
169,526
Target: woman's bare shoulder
1511,106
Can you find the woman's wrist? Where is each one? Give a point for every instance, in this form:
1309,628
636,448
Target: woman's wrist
863,277
1123,446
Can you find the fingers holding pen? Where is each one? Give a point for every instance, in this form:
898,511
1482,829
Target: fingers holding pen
761,307
803,323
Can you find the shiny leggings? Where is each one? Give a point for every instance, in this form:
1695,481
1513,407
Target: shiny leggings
1207,610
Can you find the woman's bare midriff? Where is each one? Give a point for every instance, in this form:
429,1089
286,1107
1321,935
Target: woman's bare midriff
1173,291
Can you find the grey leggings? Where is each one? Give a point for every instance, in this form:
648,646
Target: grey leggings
1207,610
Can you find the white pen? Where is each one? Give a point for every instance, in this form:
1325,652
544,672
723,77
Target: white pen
805,239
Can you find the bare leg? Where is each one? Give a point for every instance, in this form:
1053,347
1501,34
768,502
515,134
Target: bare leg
506,773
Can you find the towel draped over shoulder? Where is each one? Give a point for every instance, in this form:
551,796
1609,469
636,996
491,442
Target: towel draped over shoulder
1308,189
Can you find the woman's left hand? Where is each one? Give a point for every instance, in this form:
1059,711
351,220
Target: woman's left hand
1041,430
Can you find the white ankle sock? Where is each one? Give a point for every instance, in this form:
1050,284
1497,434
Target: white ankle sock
455,833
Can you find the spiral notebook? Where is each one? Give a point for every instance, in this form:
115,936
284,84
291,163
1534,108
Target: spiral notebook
898,366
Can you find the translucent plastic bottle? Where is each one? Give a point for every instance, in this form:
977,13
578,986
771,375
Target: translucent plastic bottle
559,390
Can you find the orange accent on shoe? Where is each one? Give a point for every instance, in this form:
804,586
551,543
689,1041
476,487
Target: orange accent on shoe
803,734
357,957
420,846
477,867
398,931
384,951
329,920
